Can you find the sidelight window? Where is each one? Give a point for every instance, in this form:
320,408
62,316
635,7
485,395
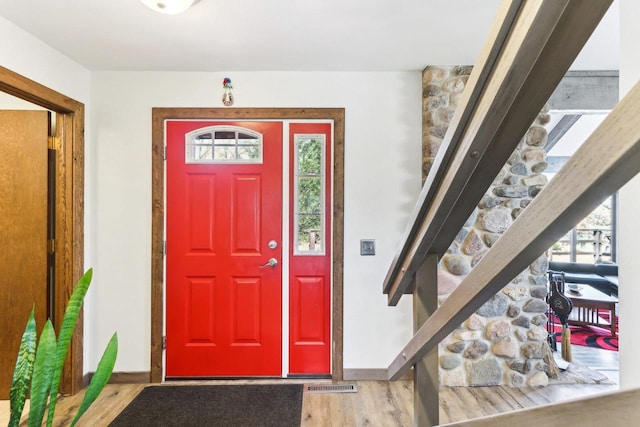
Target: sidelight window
309,194
223,144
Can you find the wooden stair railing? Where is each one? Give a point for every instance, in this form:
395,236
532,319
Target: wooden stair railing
530,47
605,162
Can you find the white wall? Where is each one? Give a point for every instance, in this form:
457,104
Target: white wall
26,55
601,52
629,221
382,181
9,102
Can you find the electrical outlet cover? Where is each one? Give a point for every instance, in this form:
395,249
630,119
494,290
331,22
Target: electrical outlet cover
367,247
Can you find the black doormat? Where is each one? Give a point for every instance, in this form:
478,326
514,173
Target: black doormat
254,405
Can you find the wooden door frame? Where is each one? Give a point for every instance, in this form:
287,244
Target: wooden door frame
69,209
159,115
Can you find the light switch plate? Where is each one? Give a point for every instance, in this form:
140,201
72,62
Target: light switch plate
367,247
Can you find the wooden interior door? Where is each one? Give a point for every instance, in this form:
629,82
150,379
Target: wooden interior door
223,225
23,230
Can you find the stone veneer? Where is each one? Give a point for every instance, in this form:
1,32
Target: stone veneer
504,342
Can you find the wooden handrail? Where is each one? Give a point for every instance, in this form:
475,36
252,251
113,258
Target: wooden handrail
605,162
527,56
615,409
488,57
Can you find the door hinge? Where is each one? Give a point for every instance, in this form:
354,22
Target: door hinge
54,143
164,153
51,246
164,342
164,248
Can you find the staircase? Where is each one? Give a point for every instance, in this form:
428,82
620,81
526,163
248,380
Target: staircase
529,49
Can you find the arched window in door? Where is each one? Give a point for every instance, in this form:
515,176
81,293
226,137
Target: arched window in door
223,144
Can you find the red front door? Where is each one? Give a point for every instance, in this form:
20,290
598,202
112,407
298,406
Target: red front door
224,214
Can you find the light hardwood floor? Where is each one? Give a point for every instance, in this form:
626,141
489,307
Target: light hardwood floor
377,403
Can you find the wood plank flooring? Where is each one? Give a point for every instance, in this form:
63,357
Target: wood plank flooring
377,403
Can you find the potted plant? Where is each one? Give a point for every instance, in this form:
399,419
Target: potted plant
39,364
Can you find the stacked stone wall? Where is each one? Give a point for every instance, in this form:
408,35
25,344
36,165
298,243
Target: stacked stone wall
504,342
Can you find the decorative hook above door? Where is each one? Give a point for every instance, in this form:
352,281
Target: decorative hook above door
227,96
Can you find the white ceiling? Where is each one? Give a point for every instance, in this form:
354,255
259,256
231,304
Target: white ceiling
277,35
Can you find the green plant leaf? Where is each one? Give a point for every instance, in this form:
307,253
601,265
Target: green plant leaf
66,332
23,370
100,378
42,374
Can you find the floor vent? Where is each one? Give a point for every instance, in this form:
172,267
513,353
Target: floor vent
332,388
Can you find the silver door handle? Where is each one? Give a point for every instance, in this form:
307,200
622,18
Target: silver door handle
271,263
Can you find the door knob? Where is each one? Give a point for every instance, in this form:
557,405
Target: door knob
271,263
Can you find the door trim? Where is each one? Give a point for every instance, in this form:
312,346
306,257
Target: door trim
159,115
69,243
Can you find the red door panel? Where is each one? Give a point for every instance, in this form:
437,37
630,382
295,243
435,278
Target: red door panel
199,321
246,209
310,273
200,213
310,337
223,309
310,304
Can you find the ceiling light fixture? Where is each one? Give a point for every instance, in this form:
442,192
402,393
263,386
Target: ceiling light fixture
169,7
